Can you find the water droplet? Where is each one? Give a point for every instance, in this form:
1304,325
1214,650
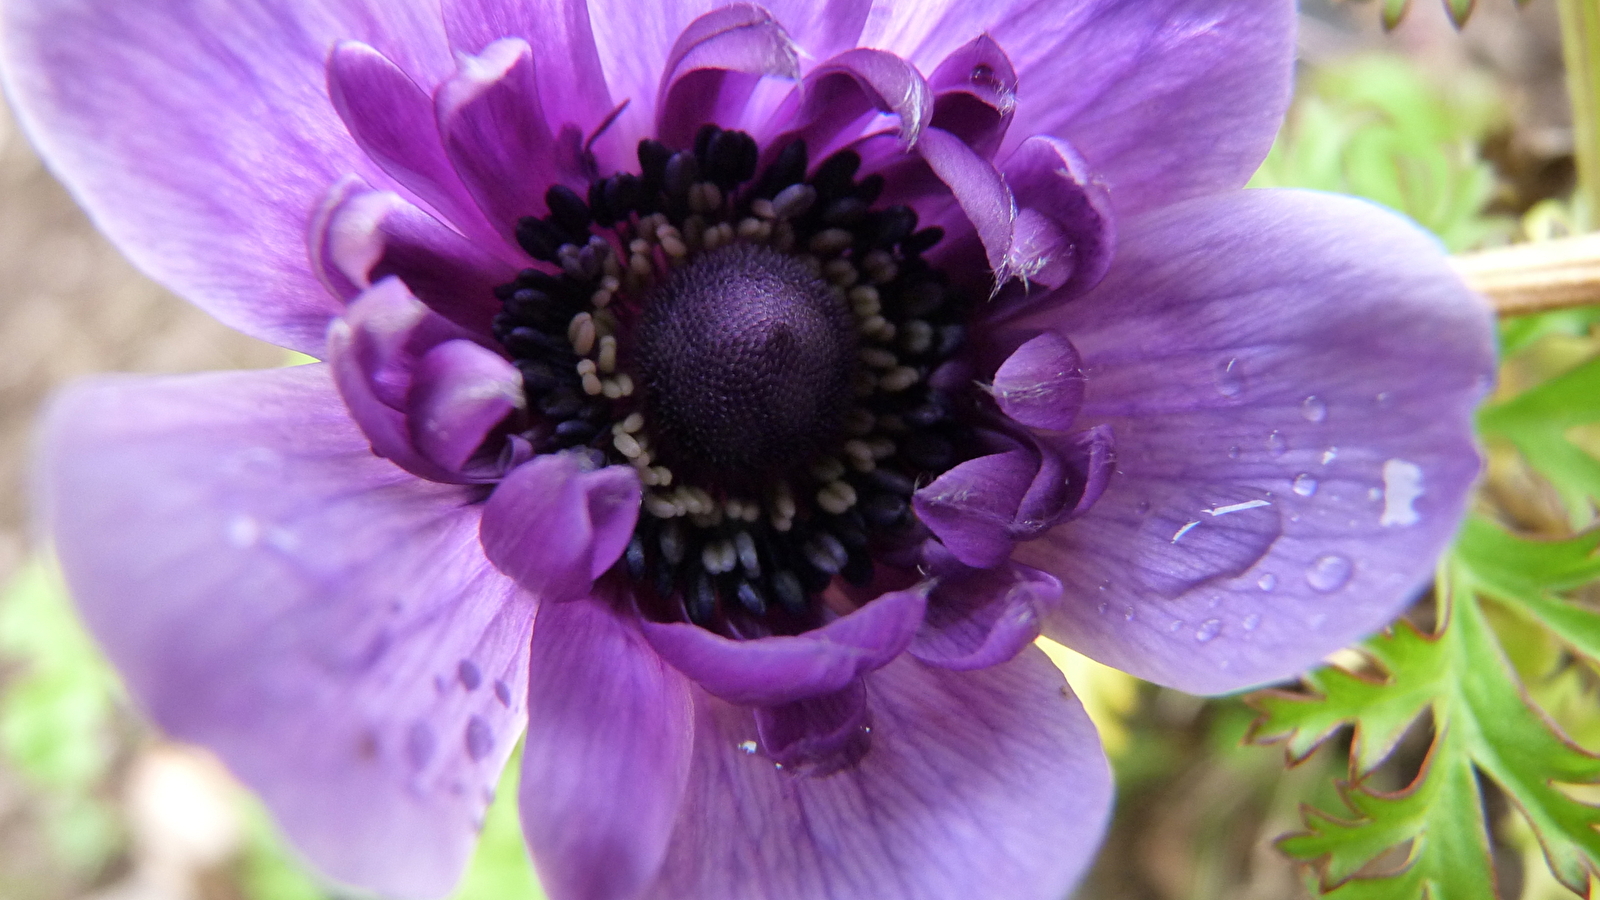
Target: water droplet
1276,445
243,531
1176,626
419,744
1329,455
283,540
1102,607
1328,573
1252,622
1127,614
1383,398
747,746
1267,581
480,740
1143,508
1305,485
502,692
1230,378
1233,452
468,672
1314,409
1374,494
1208,629
1402,485
1105,585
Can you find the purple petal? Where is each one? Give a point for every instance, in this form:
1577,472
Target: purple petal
714,66
365,236
978,189
848,92
561,39
817,736
391,119
971,507
606,757
322,620
977,784
213,202
460,393
555,525
981,617
1165,99
496,134
975,91
1041,383
1291,379
772,671
1065,233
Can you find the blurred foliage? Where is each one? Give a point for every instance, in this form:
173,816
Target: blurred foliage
1378,127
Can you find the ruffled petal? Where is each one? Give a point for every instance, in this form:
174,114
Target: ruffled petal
559,33
818,736
460,393
980,192
978,618
321,619
555,524
975,95
1291,379
1041,383
607,754
971,507
771,671
1065,233
714,66
497,135
1165,99
214,202
976,784
364,236
842,96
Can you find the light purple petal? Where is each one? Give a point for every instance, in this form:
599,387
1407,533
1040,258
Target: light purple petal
200,136
1065,233
981,617
975,95
365,236
818,736
978,189
976,784
1165,99
562,41
972,507
555,525
771,671
322,620
1041,384
714,66
607,755
1291,380
841,98
460,393
391,118
497,136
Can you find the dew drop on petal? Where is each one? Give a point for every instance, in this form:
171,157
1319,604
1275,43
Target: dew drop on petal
747,746
502,692
1383,398
1276,445
1176,626
243,531
480,740
1402,485
1252,622
469,675
1230,378
1267,581
1233,452
1329,455
1314,409
419,744
1328,573
1208,629
1143,508
1102,606
1127,614
1305,485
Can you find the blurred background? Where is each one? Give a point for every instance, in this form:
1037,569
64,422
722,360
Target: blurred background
1467,132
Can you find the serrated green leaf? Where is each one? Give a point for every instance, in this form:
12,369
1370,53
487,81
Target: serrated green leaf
1525,574
1537,422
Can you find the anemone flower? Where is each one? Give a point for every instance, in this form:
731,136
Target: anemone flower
728,396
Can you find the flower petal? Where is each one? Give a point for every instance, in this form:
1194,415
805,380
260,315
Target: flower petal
555,524
1291,379
1065,233
972,506
979,618
322,620
497,135
975,95
978,189
607,753
214,202
817,736
976,784
364,236
771,671
713,67
1165,99
845,94
559,33
1041,383
460,393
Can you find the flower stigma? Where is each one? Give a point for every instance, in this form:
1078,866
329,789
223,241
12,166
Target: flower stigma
761,348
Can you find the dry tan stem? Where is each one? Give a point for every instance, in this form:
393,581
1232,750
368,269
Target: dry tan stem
1538,277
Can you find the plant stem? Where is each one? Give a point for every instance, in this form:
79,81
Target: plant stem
1537,277
1580,49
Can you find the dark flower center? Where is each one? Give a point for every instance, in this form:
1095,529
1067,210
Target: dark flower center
759,348
747,362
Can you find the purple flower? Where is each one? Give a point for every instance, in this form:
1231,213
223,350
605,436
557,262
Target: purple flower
782,371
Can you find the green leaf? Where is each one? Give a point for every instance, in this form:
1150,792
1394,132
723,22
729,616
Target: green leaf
1460,11
1538,421
1393,12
